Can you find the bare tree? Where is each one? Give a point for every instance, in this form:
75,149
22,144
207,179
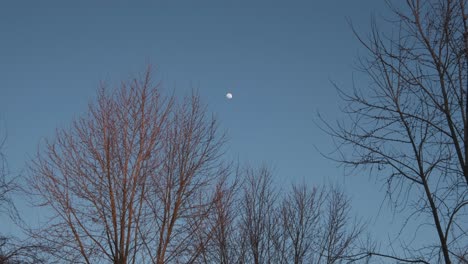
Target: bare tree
226,245
12,249
128,183
261,224
258,207
94,175
15,251
6,204
340,233
182,196
410,126
317,226
301,213
7,183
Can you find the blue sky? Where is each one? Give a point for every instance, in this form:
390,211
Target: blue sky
276,57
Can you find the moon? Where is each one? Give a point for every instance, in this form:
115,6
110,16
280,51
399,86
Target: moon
229,96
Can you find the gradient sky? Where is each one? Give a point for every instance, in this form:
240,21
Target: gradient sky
276,57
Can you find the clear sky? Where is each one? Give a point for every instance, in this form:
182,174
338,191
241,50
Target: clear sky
276,57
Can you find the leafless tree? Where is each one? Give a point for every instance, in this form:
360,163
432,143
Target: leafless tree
340,232
301,213
410,125
261,224
15,251
226,245
317,226
7,183
12,249
94,175
128,182
242,221
258,208
181,195
6,205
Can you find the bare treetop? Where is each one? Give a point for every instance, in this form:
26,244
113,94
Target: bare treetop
410,126
124,180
